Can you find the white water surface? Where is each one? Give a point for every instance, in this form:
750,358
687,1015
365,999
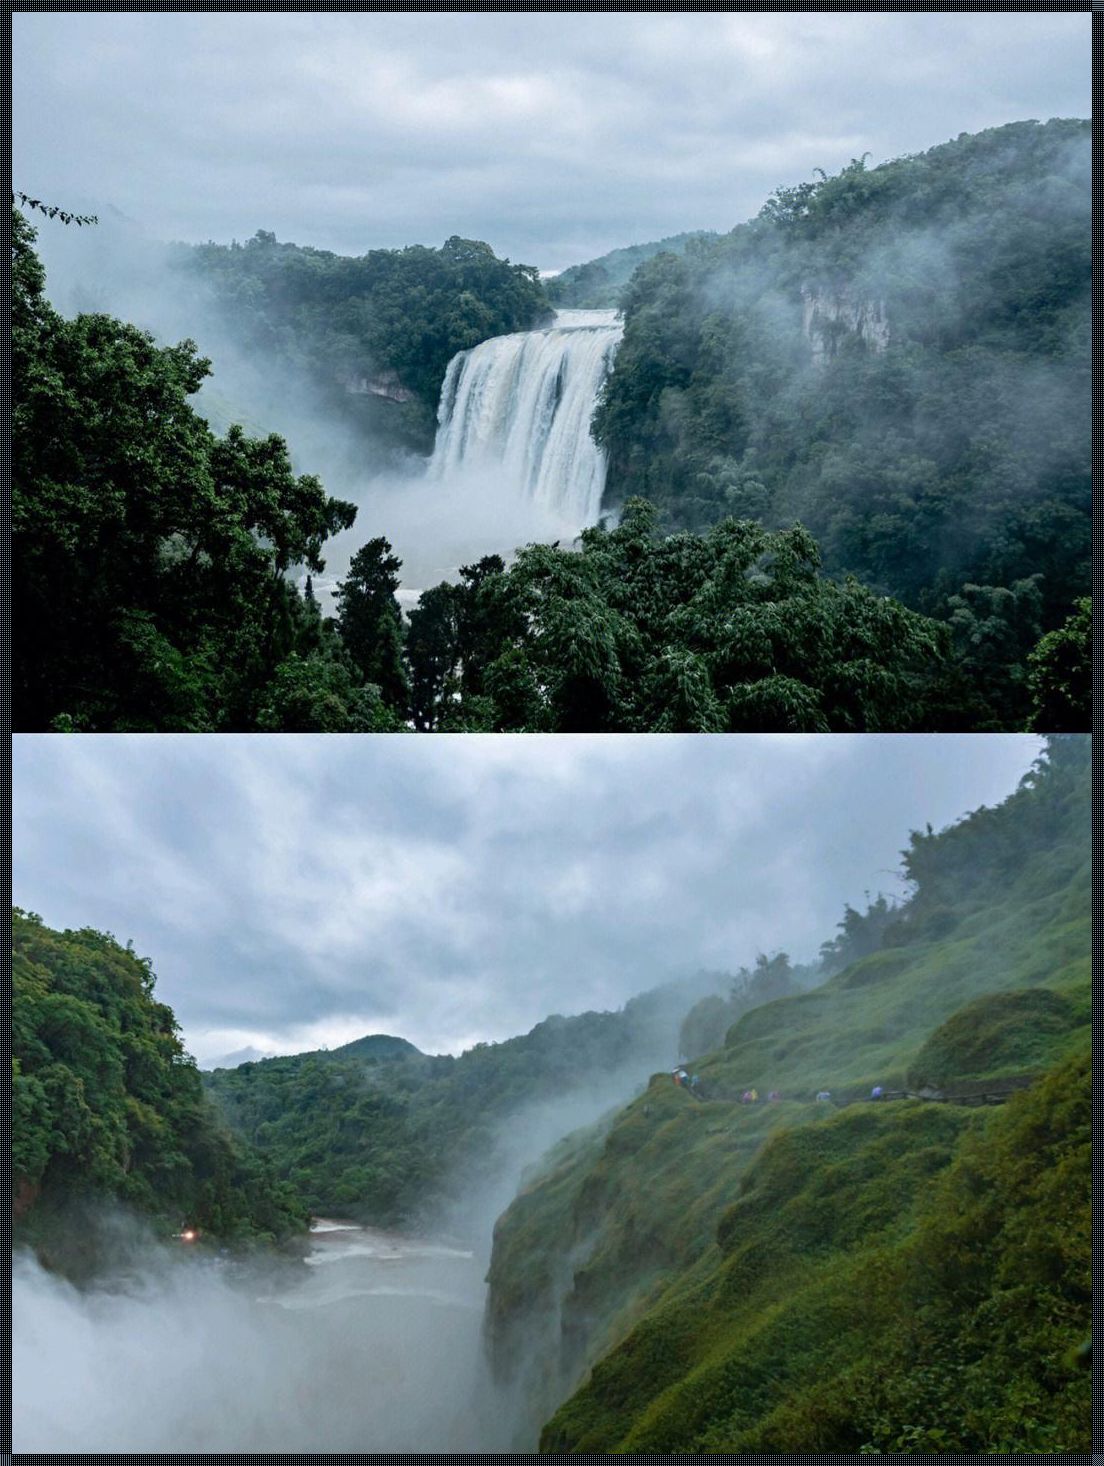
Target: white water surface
514,462
373,1346
520,406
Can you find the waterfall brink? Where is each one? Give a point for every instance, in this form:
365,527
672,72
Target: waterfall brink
519,407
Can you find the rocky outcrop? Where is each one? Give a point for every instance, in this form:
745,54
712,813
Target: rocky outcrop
383,384
830,317
24,1195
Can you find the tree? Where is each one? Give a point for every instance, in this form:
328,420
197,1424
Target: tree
149,555
730,631
432,645
370,621
107,1103
1060,675
316,694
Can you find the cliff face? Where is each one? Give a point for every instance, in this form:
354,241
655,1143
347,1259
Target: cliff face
827,318
382,384
694,1268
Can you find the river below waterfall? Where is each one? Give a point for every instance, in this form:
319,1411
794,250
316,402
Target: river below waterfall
373,1344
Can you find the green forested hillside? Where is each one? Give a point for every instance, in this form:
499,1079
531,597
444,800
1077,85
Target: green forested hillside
389,1138
106,1103
597,284
791,1275
897,357
372,334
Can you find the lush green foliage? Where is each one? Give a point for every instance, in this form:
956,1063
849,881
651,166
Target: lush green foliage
792,1276
106,1103
732,630
899,359
378,330
1060,674
149,556
902,1278
705,1026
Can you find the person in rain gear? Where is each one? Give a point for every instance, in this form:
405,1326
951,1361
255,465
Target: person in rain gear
753,1095
876,1092
823,1095
774,1095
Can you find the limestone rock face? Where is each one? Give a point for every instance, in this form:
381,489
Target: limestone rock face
383,384
828,318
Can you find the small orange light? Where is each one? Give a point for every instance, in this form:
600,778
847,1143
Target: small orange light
187,1235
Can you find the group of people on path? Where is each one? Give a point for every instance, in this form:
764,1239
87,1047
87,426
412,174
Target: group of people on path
685,1080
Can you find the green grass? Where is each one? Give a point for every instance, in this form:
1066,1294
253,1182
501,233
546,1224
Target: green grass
903,1277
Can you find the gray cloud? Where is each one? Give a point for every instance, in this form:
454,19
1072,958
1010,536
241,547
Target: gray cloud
555,137
294,891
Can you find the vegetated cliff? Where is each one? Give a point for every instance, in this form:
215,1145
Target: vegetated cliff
897,357
107,1106
792,1275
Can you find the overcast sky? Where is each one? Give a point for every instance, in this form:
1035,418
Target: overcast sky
553,137
298,891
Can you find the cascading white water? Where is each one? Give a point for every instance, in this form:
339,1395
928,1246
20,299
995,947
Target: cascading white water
519,407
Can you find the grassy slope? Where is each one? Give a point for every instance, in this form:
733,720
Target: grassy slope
903,1277
619,1248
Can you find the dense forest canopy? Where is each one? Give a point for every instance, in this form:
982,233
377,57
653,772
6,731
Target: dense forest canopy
107,1105
846,1275
149,556
733,630
897,357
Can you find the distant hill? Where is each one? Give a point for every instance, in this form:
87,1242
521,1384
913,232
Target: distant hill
377,1047
373,1048
367,340
597,285
843,1276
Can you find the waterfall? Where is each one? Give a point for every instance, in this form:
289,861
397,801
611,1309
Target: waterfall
519,407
